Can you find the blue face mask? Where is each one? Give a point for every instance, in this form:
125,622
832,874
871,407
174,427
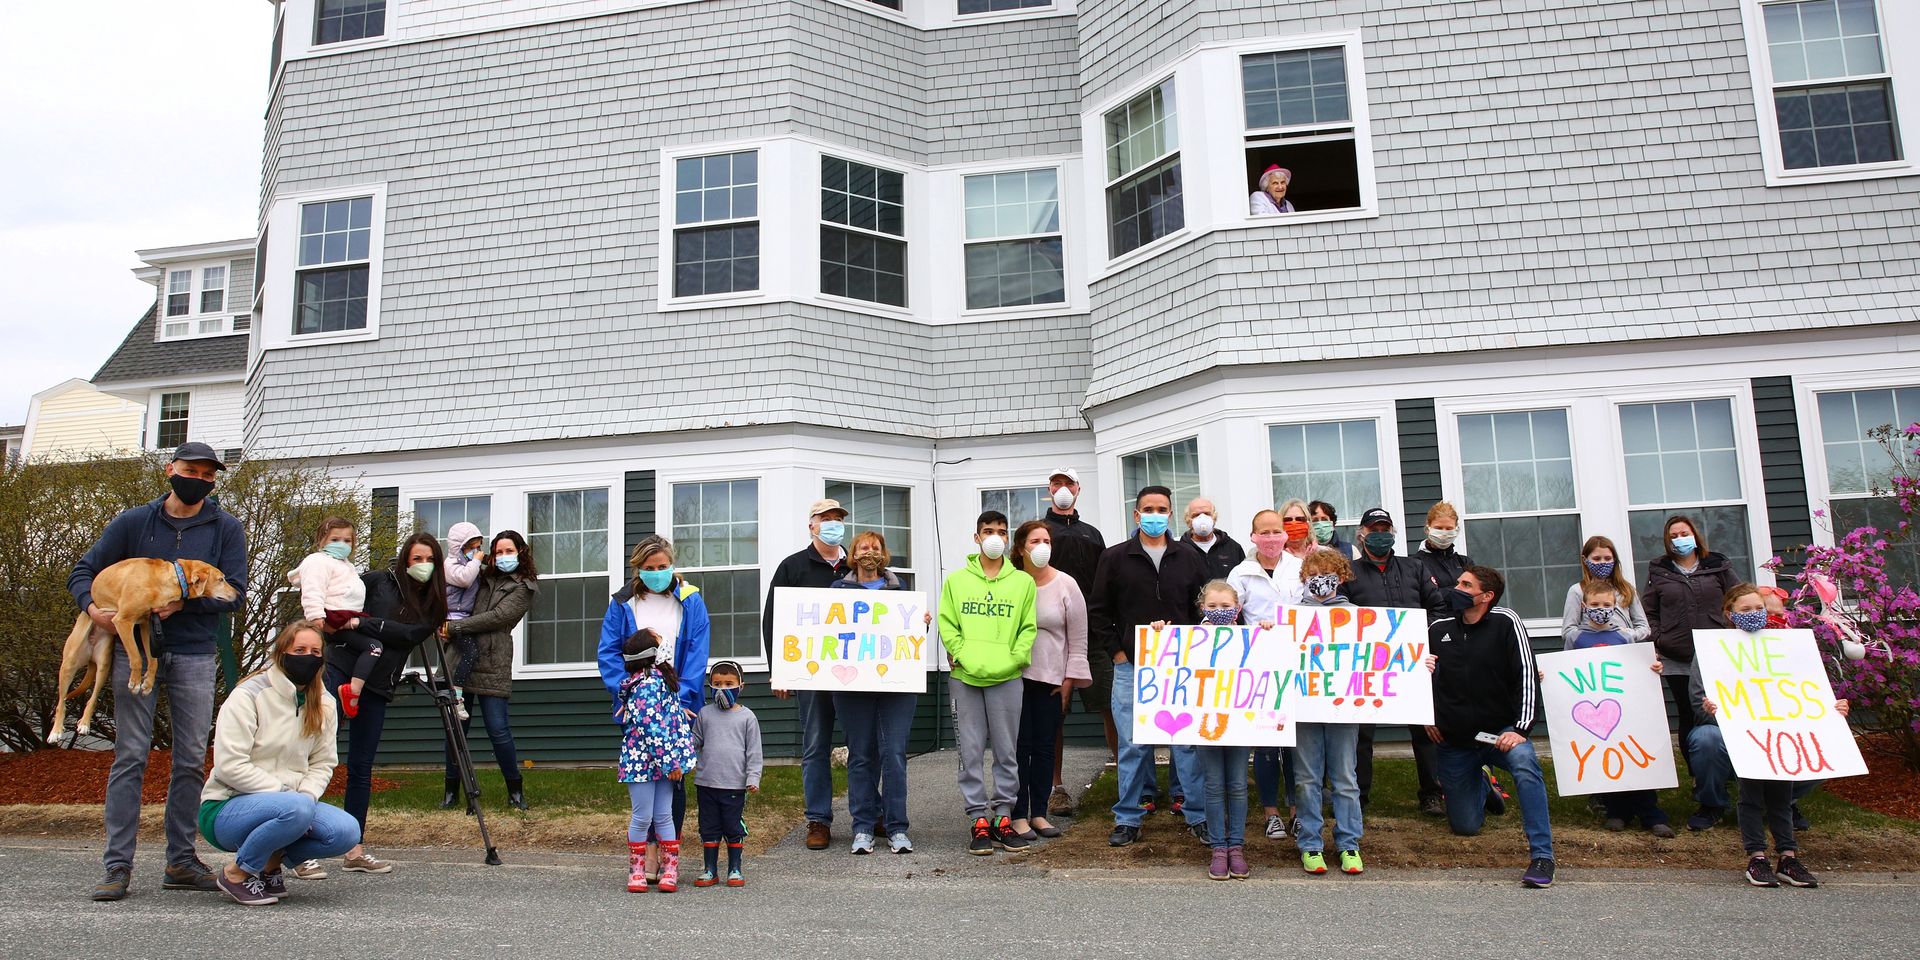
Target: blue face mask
1753,622
1219,617
1601,569
507,563
832,532
726,697
338,549
1683,546
657,580
1154,524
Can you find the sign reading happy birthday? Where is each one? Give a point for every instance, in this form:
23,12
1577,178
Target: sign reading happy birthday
1607,720
1358,664
1212,685
865,640
1775,707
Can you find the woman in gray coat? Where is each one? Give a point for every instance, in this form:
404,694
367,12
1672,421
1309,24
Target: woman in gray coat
507,590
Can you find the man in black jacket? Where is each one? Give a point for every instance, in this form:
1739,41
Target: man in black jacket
1149,579
1383,579
818,564
1223,553
1485,701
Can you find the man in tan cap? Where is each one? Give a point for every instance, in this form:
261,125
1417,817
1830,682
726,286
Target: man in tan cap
818,564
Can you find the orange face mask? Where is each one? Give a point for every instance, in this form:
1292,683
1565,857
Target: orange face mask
1296,529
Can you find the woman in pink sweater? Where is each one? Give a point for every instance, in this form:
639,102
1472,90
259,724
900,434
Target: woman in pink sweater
1058,667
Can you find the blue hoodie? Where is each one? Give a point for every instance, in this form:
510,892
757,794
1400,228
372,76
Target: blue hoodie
211,536
689,650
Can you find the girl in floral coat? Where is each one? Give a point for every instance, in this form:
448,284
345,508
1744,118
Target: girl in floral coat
655,752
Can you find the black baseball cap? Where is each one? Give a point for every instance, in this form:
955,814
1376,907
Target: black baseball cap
195,450
1375,515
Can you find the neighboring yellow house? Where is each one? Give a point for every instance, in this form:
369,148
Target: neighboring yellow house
73,419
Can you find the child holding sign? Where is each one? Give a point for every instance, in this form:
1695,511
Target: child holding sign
1224,768
1326,752
1600,623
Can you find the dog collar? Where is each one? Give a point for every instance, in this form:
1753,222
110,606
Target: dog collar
180,573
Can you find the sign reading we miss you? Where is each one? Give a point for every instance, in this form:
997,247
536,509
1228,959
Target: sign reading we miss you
865,640
1607,720
1775,706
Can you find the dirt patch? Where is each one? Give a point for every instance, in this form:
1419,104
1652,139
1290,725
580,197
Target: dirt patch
1889,788
80,777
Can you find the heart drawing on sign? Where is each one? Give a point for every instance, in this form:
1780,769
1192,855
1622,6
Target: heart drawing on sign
1599,719
1171,722
845,674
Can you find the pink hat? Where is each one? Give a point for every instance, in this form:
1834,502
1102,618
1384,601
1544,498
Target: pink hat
1270,171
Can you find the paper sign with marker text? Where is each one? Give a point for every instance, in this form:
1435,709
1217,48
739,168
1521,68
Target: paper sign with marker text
1212,686
1775,705
1358,664
865,640
1607,720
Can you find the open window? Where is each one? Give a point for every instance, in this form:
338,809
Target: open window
1300,118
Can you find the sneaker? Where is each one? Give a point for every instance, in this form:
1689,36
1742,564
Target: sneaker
113,885
705,879
1005,838
1179,806
1661,830
734,879
368,863
819,835
251,892
1800,822
1148,805
310,870
1760,872
275,883
192,875
1796,874
1123,835
1539,874
982,843
1596,806
1059,803
1350,863
1237,863
1705,818
1276,828
1199,831
1217,866
1434,805
1615,824
1313,861
862,843
900,842
1496,799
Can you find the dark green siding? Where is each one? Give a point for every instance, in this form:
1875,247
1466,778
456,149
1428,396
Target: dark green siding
1783,467
640,507
1419,464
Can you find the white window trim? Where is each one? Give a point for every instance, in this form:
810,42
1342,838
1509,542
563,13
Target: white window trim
616,564
1740,453
1099,181
914,491
194,317
275,324
303,25
226,281
981,488
663,521
948,288
1899,39
1386,439
669,208
159,413
945,14
1813,445
912,187
1353,56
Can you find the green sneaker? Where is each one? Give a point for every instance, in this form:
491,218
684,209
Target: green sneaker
1313,862
1350,862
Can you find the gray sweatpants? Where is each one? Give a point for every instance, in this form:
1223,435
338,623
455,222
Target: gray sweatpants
189,682
988,717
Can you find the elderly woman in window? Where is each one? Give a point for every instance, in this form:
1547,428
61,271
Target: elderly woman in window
1272,195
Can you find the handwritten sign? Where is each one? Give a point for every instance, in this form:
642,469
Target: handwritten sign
1358,664
1212,685
865,640
1607,720
1775,705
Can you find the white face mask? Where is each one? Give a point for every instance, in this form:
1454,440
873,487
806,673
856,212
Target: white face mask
1441,538
1040,555
993,547
1063,498
1201,525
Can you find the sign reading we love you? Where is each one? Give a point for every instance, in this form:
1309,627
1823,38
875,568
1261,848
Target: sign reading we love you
1775,707
1607,720
870,640
1211,685
1358,664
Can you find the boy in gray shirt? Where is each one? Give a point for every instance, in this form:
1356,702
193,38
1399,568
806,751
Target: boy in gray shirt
726,740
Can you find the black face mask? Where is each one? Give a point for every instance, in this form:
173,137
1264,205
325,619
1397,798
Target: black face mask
1460,601
190,490
301,668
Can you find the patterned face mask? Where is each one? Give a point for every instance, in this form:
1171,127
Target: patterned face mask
1322,585
1601,569
1600,615
1752,621
1221,617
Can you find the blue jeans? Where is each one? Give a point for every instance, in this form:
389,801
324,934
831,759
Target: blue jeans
1224,771
255,826
493,715
1273,775
1135,763
816,753
877,725
1325,753
1712,768
363,744
188,680
1466,789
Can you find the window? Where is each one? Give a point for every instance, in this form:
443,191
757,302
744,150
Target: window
995,6
716,237
716,541
213,290
1019,212
335,252
1175,466
1832,84
863,209
172,426
568,533
1020,504
1860,435
337,21
1298,117
1516,470
437,516
888,510
1681,458
1337,462
889,4
1143,171
179,293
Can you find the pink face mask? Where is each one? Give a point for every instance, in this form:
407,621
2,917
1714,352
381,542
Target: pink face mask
1270,545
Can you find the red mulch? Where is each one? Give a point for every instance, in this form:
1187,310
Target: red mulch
1889,787
80,776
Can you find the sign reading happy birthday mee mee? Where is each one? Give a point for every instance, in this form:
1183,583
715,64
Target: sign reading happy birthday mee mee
1775,705
1607,720
1358,664
1213,686
867,640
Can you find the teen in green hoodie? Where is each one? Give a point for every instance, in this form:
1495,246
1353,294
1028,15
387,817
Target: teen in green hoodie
987,624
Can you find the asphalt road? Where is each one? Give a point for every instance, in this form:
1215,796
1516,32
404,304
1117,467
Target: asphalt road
799,904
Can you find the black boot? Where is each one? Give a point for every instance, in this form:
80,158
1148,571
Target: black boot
451,795
516,795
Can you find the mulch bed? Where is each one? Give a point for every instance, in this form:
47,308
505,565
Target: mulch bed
1889,787
80,776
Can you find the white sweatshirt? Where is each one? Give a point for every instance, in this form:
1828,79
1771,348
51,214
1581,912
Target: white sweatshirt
259,746
327,584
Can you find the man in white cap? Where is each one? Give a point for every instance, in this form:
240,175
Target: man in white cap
818,564
1077,545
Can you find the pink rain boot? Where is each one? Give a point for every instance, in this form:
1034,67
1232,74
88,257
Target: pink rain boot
669,866
636,867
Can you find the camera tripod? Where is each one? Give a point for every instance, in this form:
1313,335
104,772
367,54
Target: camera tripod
436,683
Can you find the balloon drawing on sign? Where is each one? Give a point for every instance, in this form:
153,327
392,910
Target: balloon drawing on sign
1599,719
813,667
844,673
880,668
1172,723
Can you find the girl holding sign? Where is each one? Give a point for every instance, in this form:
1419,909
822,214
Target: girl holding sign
876,724
1326,752
1224,768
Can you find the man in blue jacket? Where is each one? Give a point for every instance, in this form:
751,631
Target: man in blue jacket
183,525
